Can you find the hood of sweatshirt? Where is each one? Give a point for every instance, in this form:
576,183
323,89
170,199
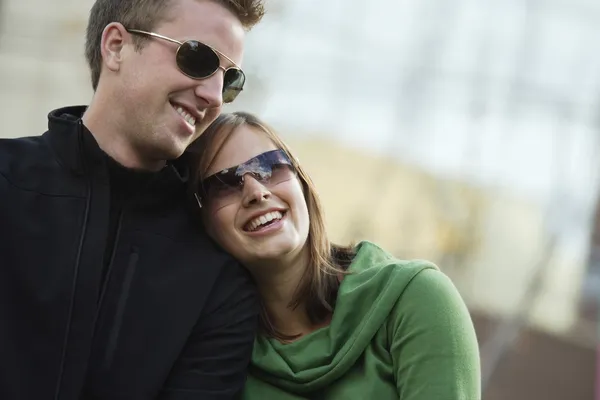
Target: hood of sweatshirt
365,299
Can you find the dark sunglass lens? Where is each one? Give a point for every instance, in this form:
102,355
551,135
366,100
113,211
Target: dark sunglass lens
233,84
281,173
220,188
196,59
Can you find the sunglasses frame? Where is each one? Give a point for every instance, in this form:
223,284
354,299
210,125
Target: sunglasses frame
242,169
180,44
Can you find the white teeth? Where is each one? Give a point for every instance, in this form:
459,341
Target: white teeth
263,219
190,120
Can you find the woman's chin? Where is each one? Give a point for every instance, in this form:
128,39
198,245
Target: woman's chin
271,253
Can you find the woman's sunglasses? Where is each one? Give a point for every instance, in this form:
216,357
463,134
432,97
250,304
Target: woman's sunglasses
270,169
200,61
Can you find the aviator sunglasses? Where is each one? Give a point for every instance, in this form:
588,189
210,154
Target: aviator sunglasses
270,168
200,61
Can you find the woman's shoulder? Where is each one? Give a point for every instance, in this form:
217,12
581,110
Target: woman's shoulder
412,280
378,279
428,300
371,257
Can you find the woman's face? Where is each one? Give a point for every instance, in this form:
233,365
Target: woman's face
258,221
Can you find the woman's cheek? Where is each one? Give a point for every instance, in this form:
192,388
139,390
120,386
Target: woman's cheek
214,224
223,223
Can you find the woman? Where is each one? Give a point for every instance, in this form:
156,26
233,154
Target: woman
337,322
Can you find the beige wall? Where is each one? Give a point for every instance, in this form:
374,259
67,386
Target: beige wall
40,74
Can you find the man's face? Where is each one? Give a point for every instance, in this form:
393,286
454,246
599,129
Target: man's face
155,99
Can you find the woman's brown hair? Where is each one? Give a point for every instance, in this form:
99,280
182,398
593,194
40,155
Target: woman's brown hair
318,288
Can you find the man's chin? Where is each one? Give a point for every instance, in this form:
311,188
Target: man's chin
174,154
168,152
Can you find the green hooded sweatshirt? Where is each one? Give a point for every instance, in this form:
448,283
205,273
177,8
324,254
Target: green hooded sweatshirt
400,330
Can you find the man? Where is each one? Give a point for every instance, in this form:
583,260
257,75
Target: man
108,289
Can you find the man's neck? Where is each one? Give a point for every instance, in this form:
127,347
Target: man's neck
114,142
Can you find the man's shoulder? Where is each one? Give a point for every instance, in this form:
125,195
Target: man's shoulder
22,145
27,162
22,151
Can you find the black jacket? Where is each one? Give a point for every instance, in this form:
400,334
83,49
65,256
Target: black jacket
170,317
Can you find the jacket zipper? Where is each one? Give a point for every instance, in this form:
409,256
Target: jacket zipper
122,302
75,276
110,265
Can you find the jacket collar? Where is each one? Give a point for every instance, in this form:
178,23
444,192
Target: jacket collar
70,140
77,150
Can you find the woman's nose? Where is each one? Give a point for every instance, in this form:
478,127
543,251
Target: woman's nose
254,191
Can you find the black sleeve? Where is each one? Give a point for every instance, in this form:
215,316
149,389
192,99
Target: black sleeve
214,363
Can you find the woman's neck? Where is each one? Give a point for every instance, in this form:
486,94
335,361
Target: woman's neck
277,285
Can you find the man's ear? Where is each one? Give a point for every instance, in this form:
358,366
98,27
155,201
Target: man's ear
114,38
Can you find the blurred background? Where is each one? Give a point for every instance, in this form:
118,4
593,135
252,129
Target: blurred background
465,132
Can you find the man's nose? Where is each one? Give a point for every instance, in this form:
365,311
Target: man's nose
210,90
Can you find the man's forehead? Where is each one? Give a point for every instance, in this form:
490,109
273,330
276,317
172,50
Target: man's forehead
210,23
